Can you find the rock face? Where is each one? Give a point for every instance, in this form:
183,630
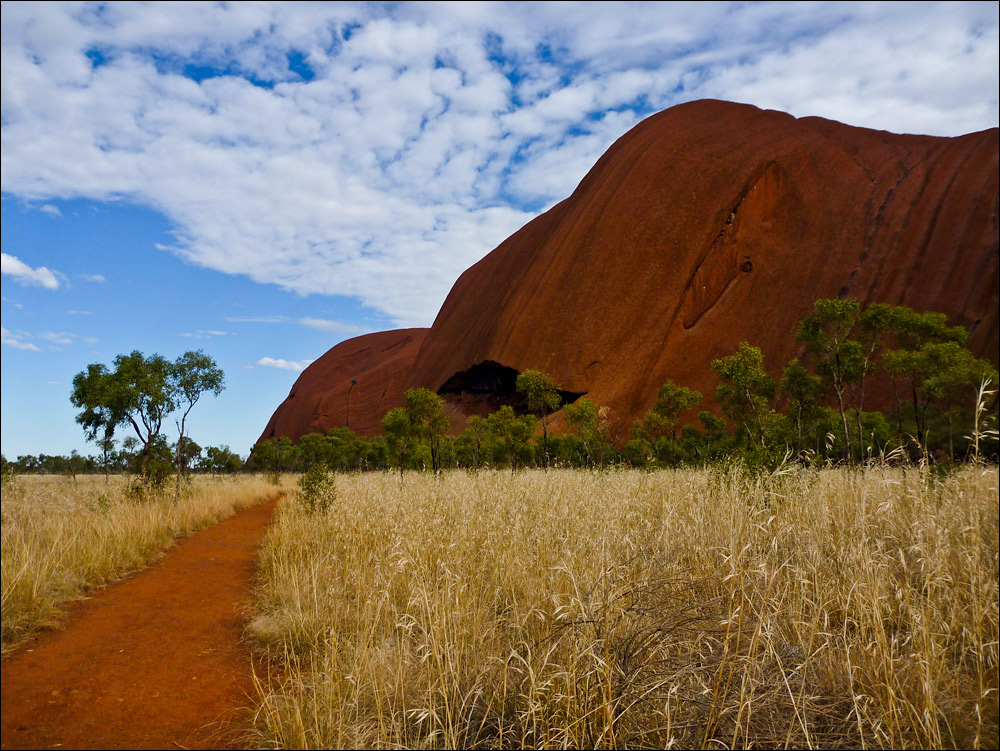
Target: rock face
324,396
707,224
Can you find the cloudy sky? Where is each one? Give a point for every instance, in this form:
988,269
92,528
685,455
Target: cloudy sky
263,180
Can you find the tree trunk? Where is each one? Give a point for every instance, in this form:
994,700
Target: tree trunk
843,418
916,417
180,440
951,440
798,423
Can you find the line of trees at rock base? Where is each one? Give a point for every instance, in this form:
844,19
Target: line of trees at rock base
945,410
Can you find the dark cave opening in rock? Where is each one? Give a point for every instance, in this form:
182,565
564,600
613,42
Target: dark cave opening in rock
488,386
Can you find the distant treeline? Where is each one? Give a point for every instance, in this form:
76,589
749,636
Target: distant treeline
128,460
945,410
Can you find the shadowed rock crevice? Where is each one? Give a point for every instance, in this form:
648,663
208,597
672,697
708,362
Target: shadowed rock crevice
492,385
735,245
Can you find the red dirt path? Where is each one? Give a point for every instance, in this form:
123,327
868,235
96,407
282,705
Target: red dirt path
156,661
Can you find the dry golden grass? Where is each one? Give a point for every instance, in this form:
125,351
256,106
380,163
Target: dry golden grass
669,609
62,537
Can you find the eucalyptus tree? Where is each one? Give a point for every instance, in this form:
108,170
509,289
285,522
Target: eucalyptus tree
803,391
543,398
94,393
141,392
192,375
927,346
663,417
428,422
745,389
828,333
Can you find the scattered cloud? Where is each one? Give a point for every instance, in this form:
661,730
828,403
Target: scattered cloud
205,334
51,210
335,327
16,340
22,273
378,150
293,365
57,340
97,278
79,312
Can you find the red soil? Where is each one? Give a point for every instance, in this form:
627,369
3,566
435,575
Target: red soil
156,661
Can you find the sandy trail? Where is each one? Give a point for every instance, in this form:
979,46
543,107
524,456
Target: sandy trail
155,661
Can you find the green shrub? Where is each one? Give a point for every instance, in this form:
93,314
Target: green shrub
317,489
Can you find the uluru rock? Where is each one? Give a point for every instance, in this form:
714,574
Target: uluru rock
708,224
353,385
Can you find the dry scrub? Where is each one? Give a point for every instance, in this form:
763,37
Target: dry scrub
672,609
63,536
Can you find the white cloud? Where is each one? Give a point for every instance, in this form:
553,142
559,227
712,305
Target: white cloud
16,340
97,278
323,324
293,365
334,327
22,273
428,132
205,334
57,340
50,210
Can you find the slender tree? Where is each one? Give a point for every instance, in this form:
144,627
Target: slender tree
543,399
745,390
803,391
95,394
839,359
192,375
428,422
664,416
920,356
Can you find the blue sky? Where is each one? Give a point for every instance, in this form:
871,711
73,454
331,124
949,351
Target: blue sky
264,180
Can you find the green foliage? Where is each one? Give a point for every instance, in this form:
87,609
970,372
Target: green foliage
543,398
590,423
638,453
8,478
803,391
745,390
428,422
317,489
840,359
413,434
140,392
541,392
662,419
509,435
221,460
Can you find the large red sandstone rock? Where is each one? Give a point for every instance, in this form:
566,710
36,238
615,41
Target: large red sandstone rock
376,363
711,223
